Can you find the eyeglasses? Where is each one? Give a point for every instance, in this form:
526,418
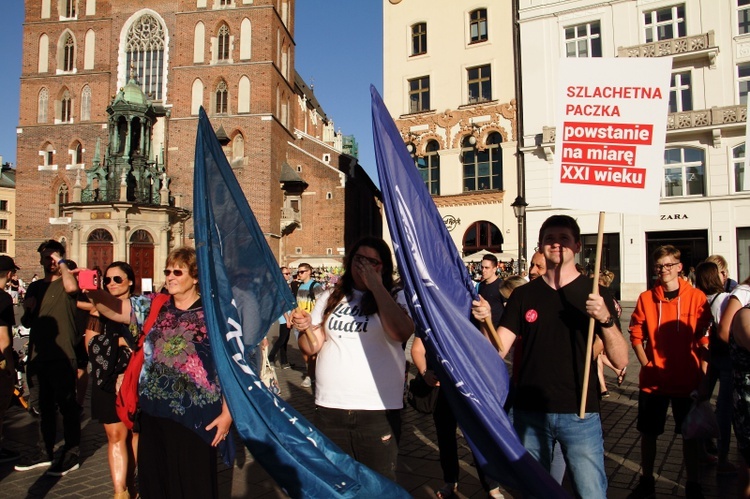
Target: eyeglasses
366,259
303,271
176,272
668,266
117,279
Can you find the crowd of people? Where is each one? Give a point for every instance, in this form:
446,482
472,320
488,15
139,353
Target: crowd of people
352,332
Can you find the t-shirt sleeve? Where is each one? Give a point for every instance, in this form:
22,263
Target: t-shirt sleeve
7,316
320,306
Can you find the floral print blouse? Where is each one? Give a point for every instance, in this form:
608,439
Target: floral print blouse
179,380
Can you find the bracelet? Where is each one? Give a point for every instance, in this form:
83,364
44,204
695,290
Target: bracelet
424,372
61,261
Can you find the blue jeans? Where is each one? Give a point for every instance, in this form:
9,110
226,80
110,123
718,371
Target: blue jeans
581,441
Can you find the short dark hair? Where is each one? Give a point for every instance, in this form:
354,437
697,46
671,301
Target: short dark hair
491,258
561,221
707,278
51,245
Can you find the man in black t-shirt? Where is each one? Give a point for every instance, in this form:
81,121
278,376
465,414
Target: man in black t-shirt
550,316
489,288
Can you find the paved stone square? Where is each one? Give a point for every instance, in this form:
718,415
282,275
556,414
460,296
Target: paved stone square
418,470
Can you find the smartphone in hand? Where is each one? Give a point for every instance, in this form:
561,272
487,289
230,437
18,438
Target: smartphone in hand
88,279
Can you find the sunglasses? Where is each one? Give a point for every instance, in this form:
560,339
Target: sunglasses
117,279
176,272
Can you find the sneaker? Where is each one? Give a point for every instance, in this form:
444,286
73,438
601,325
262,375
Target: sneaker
693,490
646,489
307,382
7,455
33,462
66,463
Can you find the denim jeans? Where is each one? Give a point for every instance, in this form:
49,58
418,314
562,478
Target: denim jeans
720,369
370,437
581,442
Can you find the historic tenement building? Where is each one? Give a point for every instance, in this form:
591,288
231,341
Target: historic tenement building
110,93
448,82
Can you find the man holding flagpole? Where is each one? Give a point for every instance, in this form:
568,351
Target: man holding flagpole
551,315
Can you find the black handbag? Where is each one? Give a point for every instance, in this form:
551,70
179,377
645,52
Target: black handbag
422,397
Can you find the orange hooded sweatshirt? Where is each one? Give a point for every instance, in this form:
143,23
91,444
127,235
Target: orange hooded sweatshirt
671,332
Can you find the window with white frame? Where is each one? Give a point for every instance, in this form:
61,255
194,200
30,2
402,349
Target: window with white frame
69,52
583,40
419,39
222,98
684,172
66,107
741,175
680,93
68,8
223,43
665,24
479,81
743,81
419,94
478,25
743,16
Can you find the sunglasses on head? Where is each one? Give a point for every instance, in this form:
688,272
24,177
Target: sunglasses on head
176,272
117,279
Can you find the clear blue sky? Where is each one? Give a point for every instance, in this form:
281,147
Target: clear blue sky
339,50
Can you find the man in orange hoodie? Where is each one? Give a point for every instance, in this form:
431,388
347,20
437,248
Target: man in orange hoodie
668,333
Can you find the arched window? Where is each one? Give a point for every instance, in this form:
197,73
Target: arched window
243,97
42,106
89,50
100,236
238,147
246,43
69,53
741,175
482,169
77,154
222,98
199,42
66,115
482,235
43,64
196,100
222,43
429,167
144,48
86,103
48,155
684,172
62,198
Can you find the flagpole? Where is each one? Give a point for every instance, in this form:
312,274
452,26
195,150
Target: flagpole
494,335
590,340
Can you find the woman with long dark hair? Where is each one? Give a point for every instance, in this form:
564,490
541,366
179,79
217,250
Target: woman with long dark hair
110,345
357,330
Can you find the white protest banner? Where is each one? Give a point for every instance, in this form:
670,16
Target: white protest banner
611,130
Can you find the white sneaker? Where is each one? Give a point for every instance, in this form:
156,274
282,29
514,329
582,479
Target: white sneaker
307,382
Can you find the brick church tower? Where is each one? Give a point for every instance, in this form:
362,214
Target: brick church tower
110,92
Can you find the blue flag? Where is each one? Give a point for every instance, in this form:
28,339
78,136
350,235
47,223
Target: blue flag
243,293
438,287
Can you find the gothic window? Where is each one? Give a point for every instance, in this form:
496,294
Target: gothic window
77,154
196,100
43,64
144,48
41,116
65,107
223,43
69,52
243,97
221,98
238,146
246,44
198,42
86,103
62,198
89,50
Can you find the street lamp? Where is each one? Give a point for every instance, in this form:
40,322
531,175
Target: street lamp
519,209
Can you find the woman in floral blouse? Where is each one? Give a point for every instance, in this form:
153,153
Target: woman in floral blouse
184,416
110,345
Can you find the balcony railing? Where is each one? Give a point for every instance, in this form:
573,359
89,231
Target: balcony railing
707,117
680,48
142,196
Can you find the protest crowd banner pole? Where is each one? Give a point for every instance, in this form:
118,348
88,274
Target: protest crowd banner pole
493,334
592,323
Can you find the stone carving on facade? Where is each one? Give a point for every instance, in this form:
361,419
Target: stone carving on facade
451,126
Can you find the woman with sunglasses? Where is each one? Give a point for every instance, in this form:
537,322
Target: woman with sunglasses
110,345
357,329
183,414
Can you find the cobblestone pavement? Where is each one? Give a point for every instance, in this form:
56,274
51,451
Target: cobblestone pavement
418,469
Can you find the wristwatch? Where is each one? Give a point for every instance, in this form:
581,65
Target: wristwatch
608,323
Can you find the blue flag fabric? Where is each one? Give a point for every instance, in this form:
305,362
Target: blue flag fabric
243,293
472,375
